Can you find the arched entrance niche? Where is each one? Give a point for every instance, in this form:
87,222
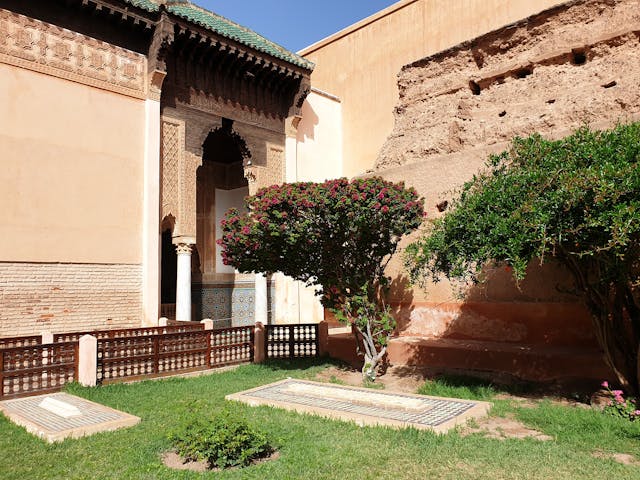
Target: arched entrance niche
220,185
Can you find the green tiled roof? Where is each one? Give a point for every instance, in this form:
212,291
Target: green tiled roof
226,28
147,5
232,30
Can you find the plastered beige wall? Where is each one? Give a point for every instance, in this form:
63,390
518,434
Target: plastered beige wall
360,64
72,171
319,139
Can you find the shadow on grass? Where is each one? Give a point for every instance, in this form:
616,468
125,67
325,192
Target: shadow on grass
301,364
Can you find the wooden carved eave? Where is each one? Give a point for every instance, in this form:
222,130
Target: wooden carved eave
258,80
123,13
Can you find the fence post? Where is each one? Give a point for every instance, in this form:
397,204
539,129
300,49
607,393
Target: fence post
259,349
323,338
47,337
88,361
208,324
162,321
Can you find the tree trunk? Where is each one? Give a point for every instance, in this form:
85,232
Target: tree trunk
616,335
372,357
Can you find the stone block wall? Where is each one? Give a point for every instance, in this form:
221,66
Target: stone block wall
63,297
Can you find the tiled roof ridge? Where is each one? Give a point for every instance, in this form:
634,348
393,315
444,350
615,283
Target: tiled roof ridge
189,11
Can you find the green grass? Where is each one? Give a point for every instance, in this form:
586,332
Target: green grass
315,448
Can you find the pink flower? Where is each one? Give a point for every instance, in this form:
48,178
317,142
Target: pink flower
246,230
636,413
605,384
617,393
619,400
384,209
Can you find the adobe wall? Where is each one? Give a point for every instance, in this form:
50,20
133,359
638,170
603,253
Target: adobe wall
574,64
360,63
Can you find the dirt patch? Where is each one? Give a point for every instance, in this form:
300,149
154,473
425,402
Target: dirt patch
502,428
176,462
400,379
623,458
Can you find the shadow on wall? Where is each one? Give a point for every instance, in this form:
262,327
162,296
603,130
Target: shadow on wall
540,331
401,300
544,309
306,127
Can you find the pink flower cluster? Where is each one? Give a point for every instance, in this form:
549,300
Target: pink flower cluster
619,406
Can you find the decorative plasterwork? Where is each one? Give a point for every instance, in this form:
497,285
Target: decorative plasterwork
210,103
178,178
172,152
187,197
273,173
62,53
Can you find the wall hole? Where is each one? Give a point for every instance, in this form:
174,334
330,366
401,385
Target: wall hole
524,72
475,88
610,84
578,57
502,113
551,100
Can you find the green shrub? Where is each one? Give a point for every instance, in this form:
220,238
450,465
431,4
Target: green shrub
222,440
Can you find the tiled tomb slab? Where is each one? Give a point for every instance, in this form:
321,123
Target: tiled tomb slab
365,406
57,416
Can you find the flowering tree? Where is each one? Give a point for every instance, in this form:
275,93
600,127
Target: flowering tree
338,235
575,201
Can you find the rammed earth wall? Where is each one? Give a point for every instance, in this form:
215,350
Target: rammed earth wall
573,64
550,73
63,297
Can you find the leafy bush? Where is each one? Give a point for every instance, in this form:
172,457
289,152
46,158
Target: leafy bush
222,440
338,235
575,201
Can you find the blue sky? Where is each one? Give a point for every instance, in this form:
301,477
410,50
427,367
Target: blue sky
295,24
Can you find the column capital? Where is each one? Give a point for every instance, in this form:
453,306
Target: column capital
184,248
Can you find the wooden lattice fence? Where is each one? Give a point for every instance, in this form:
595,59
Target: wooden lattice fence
130,332
292,341
35,369
152,355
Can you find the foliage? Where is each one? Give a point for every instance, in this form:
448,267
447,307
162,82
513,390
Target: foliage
576,201
338,235
223,440
619,406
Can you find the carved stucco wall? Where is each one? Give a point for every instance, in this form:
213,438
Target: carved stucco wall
183,134
576,63
48,49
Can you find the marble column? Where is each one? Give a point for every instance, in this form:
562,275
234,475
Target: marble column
183,283
261,300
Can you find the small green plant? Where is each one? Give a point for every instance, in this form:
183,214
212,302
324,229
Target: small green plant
223,440
619,406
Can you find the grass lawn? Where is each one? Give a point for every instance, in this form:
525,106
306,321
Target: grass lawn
315,448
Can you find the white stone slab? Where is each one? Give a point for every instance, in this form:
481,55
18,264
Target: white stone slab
53,427
380,400
60,408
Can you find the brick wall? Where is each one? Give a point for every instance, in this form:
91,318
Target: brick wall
61,297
